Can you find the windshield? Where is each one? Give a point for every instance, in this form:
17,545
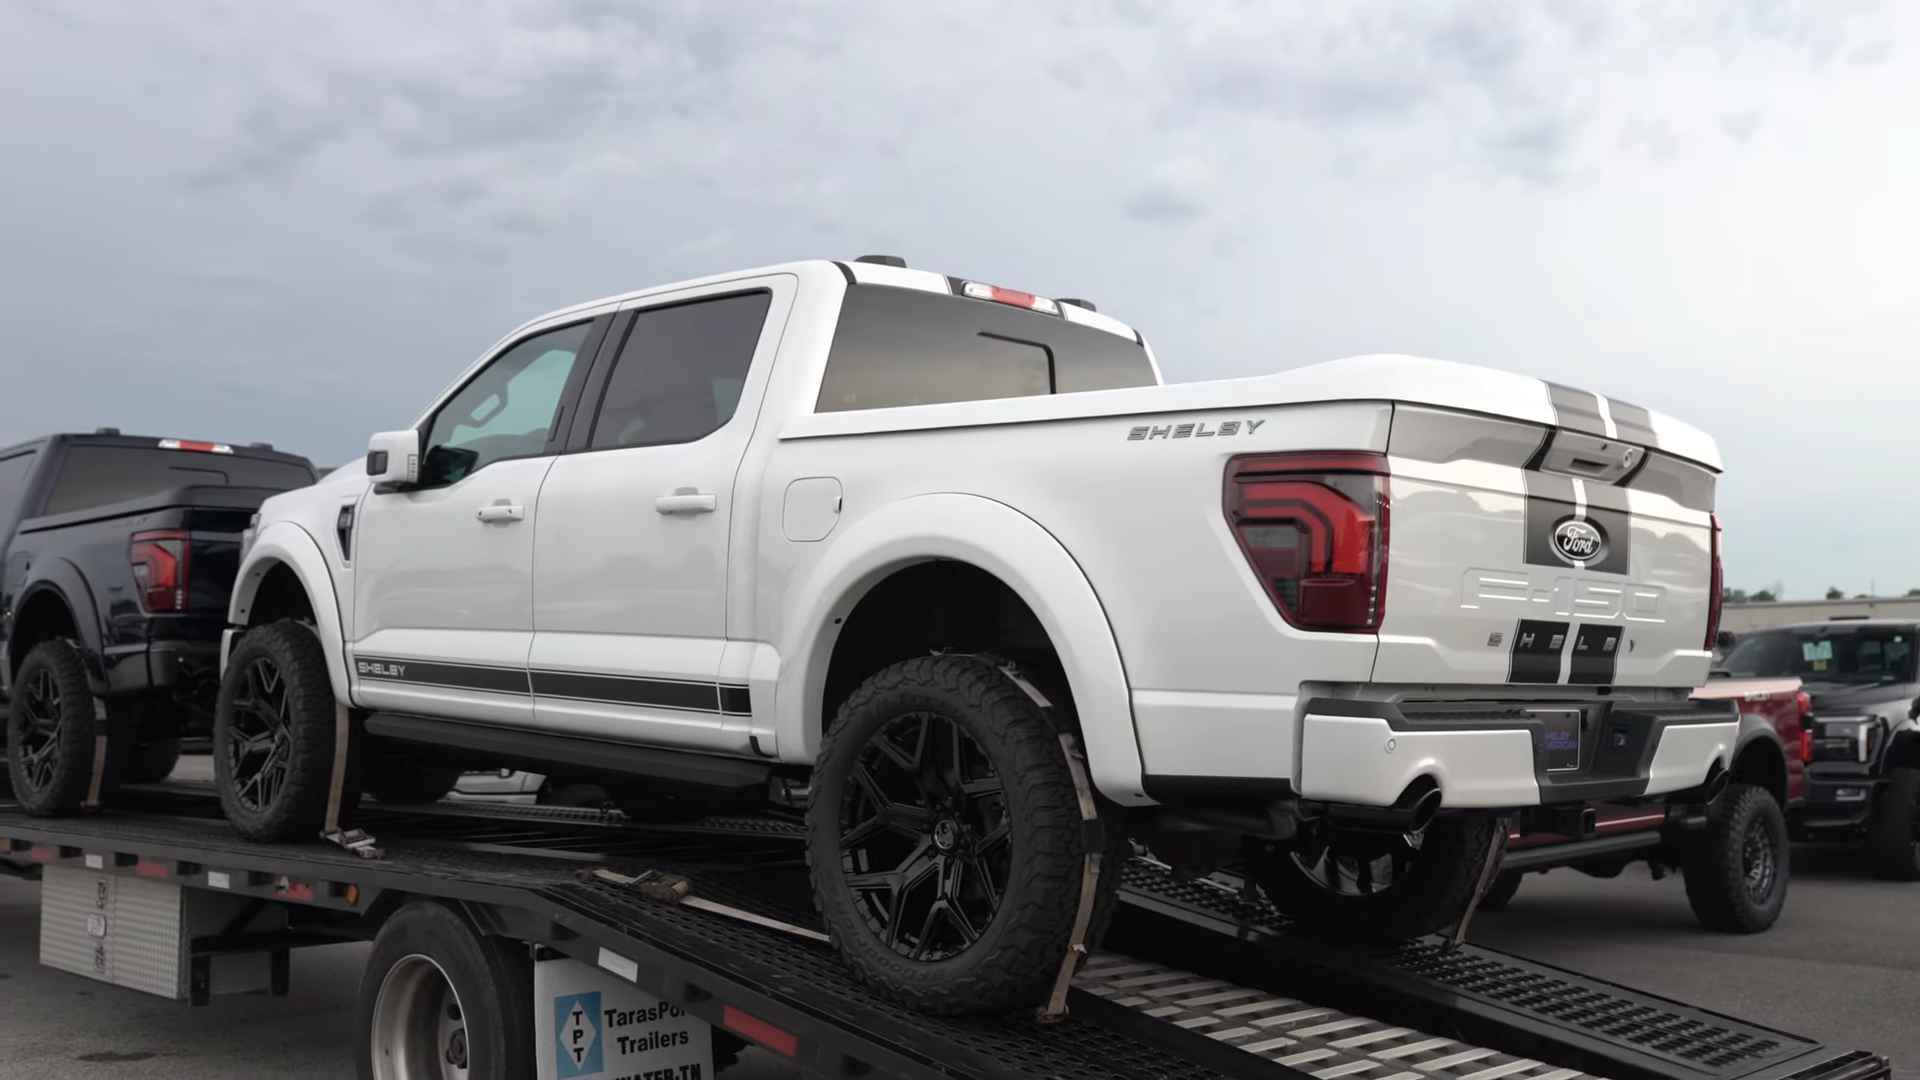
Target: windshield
1823,654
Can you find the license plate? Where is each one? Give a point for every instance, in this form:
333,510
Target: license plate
1559,738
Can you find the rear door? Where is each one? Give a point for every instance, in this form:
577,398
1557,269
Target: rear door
630,564
1543,556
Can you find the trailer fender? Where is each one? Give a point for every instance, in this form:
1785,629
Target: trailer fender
285,543
1001,541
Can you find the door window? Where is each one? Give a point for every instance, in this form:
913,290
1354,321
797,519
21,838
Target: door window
680,372
507,410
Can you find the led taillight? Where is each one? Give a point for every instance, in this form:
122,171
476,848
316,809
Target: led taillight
159,560
1716,585
197,445
980,290
1314,528
1806,745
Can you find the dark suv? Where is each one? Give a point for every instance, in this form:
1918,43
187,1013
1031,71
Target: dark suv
1863,752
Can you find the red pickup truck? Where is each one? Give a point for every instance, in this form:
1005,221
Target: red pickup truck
1728,838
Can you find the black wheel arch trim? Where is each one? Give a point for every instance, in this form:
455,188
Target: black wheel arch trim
63,579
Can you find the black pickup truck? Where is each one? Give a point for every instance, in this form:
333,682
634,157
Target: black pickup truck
117,554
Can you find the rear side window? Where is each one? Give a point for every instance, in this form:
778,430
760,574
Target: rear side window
907,347
99,475
14,472
680,372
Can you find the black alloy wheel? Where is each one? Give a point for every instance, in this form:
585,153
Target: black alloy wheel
260,750
37,737
1757,858
925,841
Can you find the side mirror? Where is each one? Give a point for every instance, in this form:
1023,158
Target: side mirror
1913,711
393,459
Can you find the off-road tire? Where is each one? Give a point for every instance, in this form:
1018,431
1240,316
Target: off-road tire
64,787
399,777
298,809
1436,891
1502,891
1893,836
1015,959
1719,863
491,977
152,761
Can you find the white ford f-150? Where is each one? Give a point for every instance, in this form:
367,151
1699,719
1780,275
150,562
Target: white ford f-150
907,549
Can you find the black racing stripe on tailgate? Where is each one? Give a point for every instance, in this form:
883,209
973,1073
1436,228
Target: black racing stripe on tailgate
1596,652
1537,645
1545,516
1578,410
1632,423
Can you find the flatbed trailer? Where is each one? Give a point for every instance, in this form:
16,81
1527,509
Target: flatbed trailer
1197,979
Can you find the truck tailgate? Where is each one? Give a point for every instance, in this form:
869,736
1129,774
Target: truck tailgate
1523,553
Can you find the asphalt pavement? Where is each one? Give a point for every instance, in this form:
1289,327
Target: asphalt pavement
1842,965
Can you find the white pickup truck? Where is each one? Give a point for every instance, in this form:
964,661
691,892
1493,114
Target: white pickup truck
900,548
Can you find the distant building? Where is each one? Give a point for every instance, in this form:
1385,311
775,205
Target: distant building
1741,618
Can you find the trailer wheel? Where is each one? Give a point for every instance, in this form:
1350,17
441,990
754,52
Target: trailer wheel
1502,891
50,727
1736,873
1893,838
440,1000
945,839
1363,886
273,735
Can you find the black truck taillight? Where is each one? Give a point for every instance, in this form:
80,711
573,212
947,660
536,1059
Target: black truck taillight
1716,585
159,559
1314,528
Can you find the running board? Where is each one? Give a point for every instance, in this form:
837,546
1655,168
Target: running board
548,752
1574,851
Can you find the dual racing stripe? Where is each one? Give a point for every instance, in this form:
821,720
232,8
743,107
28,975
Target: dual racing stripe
679,694
1552,501
1588,412
1541,645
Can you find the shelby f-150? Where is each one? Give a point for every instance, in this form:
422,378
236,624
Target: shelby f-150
909,550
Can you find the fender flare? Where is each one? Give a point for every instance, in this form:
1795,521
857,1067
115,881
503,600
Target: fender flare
1903,749
995,538
1755,731
285,543
63,579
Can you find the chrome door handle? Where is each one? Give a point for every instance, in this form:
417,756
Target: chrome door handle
502,511
686,501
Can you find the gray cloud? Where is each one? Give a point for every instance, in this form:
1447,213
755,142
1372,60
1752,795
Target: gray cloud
297,222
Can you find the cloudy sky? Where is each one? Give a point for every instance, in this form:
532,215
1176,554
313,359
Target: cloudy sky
297,222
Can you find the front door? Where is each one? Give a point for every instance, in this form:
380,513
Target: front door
443,581
630,553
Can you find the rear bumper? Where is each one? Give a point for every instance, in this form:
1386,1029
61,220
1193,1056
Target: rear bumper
1492,755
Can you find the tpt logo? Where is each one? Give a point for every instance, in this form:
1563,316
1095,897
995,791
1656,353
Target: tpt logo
576,1034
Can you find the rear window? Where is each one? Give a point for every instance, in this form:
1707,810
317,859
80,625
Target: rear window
14,472
906,347
99,475
1818,655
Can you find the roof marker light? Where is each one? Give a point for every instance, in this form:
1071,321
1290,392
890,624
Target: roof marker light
979,290
196,444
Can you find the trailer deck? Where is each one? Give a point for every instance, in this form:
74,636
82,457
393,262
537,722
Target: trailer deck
1198,979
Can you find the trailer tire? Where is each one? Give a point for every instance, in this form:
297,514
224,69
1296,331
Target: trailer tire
50,731
1311,883
1737,871
437,992
982,861
273,735
1502,891
1893,837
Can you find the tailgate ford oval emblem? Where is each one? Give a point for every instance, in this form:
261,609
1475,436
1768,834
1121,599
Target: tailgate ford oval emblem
1578,541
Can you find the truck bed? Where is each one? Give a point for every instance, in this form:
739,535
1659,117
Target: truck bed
1197,980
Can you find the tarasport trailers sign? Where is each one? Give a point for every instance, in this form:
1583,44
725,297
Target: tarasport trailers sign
592,1025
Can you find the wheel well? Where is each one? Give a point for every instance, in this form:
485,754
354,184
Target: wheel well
44,618
280,596
1762,764
1905,751
942,606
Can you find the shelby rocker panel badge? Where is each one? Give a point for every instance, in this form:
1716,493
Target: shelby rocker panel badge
1578,541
